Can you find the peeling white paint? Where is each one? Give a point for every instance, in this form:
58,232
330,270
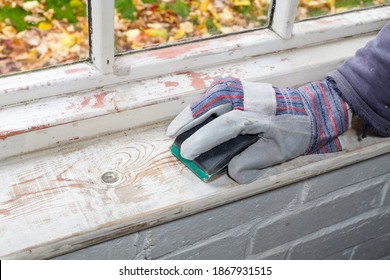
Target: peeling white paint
284,17
187,57
58,194
50,122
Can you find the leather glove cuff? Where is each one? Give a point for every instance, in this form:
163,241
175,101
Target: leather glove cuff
328,112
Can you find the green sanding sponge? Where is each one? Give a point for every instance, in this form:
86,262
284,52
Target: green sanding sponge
213,162
202,174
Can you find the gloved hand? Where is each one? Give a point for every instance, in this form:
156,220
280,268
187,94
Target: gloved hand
290,122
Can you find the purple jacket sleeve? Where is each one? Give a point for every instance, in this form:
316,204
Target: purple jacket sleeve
364,82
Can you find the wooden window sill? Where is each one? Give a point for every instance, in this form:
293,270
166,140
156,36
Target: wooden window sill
54,201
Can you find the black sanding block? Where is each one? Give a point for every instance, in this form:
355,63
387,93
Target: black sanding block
213,162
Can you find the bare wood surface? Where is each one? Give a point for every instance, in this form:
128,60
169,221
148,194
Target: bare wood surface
55,201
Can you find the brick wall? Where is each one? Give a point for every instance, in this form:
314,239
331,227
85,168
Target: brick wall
344,214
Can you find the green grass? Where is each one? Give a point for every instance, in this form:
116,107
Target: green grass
63,9
347,4
15,15
66,9
181,8
211,27
70,9
353,3
126,8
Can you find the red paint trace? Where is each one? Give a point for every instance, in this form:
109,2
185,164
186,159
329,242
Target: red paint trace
4,135
198,80
97,100
23,88
171,84
76,70
176,51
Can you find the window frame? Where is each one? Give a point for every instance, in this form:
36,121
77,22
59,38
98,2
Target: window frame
148,87
104,68
152,86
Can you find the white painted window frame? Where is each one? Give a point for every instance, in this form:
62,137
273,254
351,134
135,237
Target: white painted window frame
46,108
105,69
117,93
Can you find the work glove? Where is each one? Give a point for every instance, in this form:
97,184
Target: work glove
289,122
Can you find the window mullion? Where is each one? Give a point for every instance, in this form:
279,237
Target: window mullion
284,17
102,34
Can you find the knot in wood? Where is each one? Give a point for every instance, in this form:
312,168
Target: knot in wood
110,177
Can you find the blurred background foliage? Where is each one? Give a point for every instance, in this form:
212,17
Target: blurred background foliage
40,33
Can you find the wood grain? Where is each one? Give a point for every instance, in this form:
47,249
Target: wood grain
55,201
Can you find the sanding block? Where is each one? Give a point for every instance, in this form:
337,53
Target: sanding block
213,162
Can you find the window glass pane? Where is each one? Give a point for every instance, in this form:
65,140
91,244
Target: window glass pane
37,34
141,24
314,8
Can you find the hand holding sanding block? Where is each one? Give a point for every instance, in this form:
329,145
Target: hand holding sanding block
213,162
